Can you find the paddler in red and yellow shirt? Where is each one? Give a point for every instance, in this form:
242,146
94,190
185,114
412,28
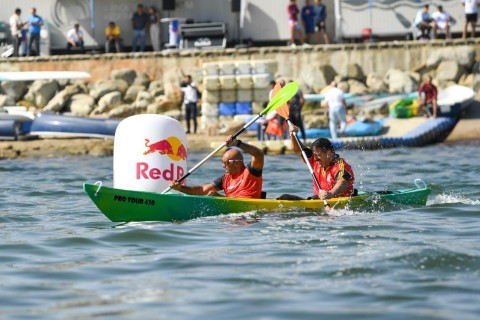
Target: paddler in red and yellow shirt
334,174
239,180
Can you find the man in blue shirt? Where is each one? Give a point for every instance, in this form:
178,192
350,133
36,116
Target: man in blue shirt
140,23
35,23
320,11
423,22
308,16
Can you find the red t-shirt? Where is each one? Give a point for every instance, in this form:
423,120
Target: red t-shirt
430,91
328,177
292,12
246,184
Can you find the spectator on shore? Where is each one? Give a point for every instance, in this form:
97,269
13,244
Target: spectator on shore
154,27
471,16
113,37
293,24
190,99
35,23
441,20
320,13
75,39
308,20
427,97
423,22
336,108
16,25
140,24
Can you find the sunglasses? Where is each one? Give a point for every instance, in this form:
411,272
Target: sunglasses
230,161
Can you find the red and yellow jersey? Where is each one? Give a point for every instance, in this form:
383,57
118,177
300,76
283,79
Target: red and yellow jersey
246,184
328,177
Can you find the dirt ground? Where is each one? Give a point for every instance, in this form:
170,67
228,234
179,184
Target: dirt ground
83,146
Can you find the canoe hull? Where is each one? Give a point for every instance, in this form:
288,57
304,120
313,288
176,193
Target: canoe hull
125,205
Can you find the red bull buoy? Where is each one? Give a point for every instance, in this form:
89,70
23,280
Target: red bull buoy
149,152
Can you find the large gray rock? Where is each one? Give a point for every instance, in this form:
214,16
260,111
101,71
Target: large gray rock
102,87
127,75
142,79
81,104
449,70
317,77
108,102
122,111
15,89
351,71
400,81
41,91
463,55
375,83
132,93
156,88
61,98
161,106
6,100
357,87
143,100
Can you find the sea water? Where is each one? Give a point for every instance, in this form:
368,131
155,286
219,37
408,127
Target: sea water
61,258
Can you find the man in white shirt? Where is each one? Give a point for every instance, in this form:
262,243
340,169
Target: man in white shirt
471,16
16,25
441,20
75,38
336,107
190,98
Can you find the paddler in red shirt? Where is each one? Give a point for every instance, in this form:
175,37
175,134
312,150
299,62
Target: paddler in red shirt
334,174
427,96
239,180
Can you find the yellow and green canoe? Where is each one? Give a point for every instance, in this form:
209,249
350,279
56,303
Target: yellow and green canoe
125,205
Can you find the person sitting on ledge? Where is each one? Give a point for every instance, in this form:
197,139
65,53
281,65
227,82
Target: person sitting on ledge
75,38
113,37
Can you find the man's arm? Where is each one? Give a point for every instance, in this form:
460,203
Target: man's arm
206,189
337,189
296,148
257,154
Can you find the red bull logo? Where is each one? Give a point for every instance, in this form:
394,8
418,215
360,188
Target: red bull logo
172,147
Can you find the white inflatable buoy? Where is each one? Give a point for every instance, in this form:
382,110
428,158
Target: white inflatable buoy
149,151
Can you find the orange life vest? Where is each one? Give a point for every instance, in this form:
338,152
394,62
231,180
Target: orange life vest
328,177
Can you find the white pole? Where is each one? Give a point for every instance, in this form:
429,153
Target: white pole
338,21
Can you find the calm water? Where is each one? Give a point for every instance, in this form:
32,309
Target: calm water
61,258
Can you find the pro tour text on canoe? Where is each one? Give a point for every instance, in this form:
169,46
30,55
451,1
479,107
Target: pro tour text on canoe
134,200
145,172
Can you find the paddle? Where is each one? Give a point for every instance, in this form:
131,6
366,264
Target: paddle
284,112
284,95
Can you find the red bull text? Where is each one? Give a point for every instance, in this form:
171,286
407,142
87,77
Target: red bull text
144,171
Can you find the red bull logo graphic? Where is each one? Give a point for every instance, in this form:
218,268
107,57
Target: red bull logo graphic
172,147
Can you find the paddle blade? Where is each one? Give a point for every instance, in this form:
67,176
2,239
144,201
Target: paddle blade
282,96
284,111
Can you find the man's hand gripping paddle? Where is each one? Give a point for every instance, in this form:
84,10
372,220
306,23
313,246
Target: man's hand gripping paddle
283,95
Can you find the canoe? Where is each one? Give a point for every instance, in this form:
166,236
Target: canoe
15,122
125,205
57,125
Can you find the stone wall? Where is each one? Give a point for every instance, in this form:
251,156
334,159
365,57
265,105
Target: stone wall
372,57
